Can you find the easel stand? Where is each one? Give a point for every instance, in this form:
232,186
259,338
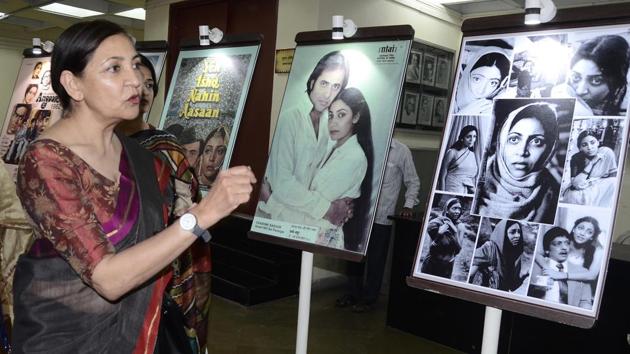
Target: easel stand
491,329
304,307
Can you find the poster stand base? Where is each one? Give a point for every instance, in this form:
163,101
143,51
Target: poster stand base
304,307
491,330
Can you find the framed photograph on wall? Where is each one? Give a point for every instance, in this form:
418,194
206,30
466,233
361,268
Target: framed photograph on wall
310,176
409,109
413,74
439,112
443,73
425,112
530,170
428,69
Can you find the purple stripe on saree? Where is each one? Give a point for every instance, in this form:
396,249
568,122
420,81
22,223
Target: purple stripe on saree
127,205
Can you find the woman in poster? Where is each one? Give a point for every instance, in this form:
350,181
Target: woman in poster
497,264
346,171
593,172
36,70
445,240
598,77
460,166
100,210
482,79
212,155
585,251
30,94
518,184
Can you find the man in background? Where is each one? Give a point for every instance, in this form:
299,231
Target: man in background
362,295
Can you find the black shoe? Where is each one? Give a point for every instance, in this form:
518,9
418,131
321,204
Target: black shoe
363,307
345,301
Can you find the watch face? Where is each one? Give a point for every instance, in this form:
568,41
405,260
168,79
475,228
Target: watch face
188,221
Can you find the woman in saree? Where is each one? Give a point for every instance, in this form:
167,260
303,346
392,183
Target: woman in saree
483,79
460,166
190,285
497,263
593,169
94,279
517,183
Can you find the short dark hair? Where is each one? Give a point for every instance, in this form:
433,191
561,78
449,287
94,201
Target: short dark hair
147,64
74,49
187,136
494,59
552,234
332,60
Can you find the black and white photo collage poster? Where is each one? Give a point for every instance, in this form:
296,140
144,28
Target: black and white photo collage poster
529,173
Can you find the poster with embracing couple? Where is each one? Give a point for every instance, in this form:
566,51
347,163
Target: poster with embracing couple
331,141
33,107
528,177
205,102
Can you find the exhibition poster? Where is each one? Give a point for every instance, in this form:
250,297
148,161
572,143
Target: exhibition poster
33,107
331,141
205,103
529,171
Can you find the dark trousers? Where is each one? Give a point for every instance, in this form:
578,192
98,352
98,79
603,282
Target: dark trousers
373,267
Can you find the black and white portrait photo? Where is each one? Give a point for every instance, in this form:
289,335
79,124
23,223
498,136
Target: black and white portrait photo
483,75
443,73
591,175
452,231
524,164
461,163
439,112
409,112
426,109
598,73
503,255
413,67
428,69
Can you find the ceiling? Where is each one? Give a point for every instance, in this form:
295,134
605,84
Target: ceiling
478,8
26,22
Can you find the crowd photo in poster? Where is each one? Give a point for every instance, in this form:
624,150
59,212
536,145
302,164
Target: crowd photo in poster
205,103
33,107
528,176
327,156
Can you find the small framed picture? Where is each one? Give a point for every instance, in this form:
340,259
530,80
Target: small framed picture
443,73
426,110
413,67
428,69
409,110
439,112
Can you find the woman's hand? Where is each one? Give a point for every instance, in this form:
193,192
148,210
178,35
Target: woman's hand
579,182
554,274
265,191
231,188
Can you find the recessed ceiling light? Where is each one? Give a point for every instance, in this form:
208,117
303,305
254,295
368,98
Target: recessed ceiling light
137,13
67,10
3,15
452,1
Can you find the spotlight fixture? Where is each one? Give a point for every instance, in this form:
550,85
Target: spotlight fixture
34,51
207,35
48,46
342,28
539,11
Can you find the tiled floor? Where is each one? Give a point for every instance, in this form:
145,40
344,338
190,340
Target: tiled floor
271,329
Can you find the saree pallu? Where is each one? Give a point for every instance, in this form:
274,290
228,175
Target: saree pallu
56,312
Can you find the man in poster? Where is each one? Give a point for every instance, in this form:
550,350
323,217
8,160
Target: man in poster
556,243
301,141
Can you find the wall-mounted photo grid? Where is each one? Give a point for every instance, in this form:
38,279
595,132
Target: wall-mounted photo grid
34,106
528,178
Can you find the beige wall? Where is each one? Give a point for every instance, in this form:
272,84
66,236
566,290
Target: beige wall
10,60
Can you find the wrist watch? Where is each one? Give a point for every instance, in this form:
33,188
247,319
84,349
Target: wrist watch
188,222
